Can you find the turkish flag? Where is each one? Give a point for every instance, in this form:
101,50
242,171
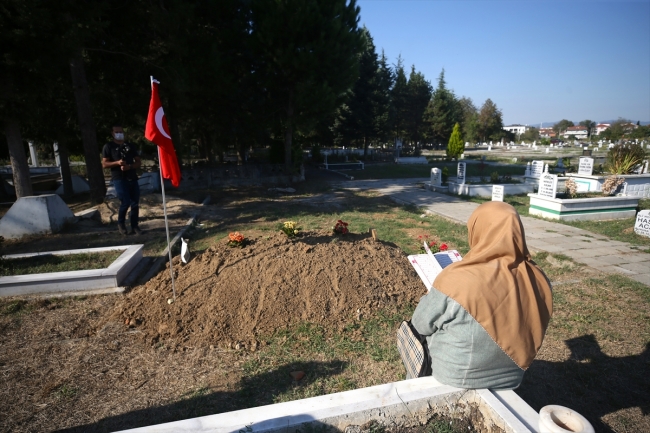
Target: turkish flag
157,131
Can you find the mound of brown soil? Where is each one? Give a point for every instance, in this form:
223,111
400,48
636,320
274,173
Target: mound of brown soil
229,296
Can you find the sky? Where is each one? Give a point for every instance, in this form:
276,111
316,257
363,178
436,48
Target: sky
537,60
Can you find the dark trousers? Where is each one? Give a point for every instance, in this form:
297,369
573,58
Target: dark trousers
128,191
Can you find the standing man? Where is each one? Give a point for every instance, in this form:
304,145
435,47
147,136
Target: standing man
123,160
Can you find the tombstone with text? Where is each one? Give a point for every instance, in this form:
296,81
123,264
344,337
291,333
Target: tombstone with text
436,177
536,169
586,166
547,185
497,192
461,173
642,224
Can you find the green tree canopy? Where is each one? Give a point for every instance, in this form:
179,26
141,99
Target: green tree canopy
490,123
442,113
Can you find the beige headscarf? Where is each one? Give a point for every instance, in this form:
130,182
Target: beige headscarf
498,283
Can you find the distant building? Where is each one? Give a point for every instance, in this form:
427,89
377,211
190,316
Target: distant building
579,132
546,133
516,129
600,128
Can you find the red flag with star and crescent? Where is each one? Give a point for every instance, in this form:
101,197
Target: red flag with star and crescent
157,131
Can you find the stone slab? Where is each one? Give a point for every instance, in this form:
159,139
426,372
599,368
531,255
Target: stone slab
34,215
639,267
641,278
617,270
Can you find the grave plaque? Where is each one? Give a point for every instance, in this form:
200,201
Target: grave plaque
436,177
497,192
461,173
536,169
642,224
586,166
547,185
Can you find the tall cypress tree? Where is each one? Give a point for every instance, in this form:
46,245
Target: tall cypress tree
419,94
308,51
442,112
399,101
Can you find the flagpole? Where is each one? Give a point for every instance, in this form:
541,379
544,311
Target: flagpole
162,187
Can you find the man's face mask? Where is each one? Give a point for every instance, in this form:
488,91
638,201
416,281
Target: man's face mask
118,135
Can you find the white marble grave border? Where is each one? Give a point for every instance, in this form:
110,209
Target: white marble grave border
87,281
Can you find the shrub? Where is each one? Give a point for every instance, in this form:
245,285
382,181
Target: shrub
494,177
456,147
625,158
444,174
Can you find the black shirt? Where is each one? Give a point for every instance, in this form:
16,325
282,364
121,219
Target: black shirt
115,152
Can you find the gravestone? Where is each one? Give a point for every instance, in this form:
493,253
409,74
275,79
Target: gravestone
33,215
460,177
547,150
436,177
490,148
497,192
586,166
462,156
642,224
527,172
644,167
514,159
536,169
547,185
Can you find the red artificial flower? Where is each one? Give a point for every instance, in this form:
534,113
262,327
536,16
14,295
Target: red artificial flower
444,247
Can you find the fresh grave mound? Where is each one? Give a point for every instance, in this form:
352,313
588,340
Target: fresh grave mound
230,297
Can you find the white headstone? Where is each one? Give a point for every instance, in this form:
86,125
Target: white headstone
600,145
497,192
536,169
545,168
462,156
551,145
586,166
436,177
514,159
547,150
527,172
547,185
461,173
644,167
642,224
490,148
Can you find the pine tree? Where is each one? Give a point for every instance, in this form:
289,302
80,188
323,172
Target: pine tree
442,112
456,146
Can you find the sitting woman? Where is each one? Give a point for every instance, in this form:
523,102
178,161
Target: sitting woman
485,317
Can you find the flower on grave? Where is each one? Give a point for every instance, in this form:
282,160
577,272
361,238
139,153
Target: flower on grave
341,228
236,240
290,228
433,246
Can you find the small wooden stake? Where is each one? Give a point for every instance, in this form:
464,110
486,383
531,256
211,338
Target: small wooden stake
373,232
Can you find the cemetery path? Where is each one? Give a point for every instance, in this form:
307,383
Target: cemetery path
594,250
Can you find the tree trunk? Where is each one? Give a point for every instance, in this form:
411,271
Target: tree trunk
66,174
19,167
288,134
365,148
88,130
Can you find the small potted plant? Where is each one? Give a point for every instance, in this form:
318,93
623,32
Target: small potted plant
340,228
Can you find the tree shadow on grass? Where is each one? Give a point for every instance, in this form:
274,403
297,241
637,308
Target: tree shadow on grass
590,382
254,391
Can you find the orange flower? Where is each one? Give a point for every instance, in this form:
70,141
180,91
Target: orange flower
236,237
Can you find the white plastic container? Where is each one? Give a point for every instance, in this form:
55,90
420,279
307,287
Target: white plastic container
560,419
